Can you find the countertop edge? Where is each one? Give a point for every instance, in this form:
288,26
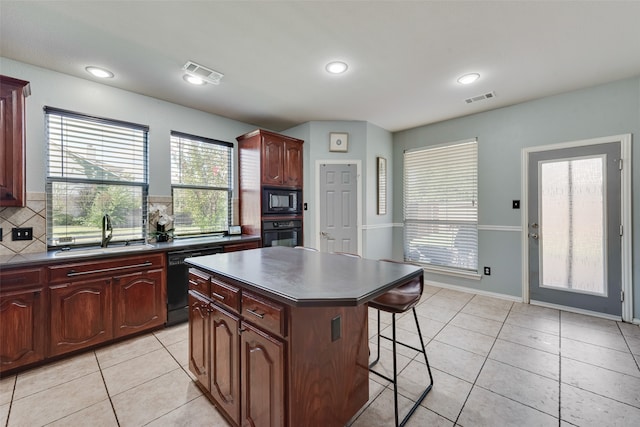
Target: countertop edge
44,258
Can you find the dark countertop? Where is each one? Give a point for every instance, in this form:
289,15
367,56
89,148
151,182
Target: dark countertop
306,278
19,260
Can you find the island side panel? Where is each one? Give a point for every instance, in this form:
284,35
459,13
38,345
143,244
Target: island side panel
328,376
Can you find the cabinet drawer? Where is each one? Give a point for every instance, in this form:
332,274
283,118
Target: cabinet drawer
199,282
233,247
106,267
20,278
265,314
225,294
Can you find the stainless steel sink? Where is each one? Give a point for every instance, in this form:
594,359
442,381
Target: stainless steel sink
102,251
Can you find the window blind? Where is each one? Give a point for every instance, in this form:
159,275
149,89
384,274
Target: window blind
95,167
440,205
88,148
201,180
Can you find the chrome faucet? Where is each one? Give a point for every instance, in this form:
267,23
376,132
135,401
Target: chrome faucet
106,226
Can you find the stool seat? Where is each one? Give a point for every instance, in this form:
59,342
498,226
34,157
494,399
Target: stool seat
400,299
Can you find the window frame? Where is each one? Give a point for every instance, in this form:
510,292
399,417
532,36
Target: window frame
181,186
51,178
449,254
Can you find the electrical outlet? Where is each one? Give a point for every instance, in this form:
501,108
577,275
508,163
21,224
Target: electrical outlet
25,233
336,328
487,271
515,204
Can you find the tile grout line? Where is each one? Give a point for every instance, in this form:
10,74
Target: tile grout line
483,363
13,393
184,370
113,408
624,337
559,368
491,391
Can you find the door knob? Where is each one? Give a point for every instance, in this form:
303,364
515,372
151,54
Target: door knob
324,234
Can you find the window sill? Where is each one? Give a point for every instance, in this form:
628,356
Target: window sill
472,275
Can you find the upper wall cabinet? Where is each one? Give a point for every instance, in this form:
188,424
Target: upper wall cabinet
12,140
280,157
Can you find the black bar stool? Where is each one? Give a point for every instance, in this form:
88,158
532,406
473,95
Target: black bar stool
396,301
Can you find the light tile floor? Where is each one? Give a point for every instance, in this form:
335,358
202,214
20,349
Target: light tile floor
494,362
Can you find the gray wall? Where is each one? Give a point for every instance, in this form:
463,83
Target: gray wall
605,110
366,143
49,88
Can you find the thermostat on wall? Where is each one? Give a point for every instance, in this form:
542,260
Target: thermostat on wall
234,229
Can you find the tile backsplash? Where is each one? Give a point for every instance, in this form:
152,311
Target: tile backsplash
34,215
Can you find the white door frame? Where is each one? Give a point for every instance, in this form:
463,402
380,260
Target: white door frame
358,163
625,189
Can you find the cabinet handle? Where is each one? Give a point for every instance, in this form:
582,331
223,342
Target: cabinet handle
73,273
255,313
217,296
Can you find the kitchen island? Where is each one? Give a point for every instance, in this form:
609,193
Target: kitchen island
279,336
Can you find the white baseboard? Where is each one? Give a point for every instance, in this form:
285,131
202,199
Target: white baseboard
474,291
577,310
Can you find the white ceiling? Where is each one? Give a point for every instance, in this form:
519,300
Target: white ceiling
404,56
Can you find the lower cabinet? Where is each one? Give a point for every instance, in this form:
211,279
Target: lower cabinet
93,302
80,315
140,302
241,365
223,350
199,338
262,378
22,314
265,363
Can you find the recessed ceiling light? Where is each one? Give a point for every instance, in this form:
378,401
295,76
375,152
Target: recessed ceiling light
337,67
99,72
193,80
468,78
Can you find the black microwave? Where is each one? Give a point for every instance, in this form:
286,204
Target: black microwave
279,201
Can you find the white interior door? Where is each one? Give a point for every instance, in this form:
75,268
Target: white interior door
338,203
574,227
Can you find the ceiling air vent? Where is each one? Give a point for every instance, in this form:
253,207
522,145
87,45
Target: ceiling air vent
480,97
206,74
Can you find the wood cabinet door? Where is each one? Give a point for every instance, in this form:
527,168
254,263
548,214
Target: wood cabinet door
292,174
225,358
21,328
139,302
80,315
272,160
262,378
199,338
12,140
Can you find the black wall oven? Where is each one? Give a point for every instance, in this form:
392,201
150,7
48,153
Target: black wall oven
286,232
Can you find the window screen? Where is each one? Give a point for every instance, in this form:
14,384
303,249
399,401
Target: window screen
95,167
440,205
201,177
